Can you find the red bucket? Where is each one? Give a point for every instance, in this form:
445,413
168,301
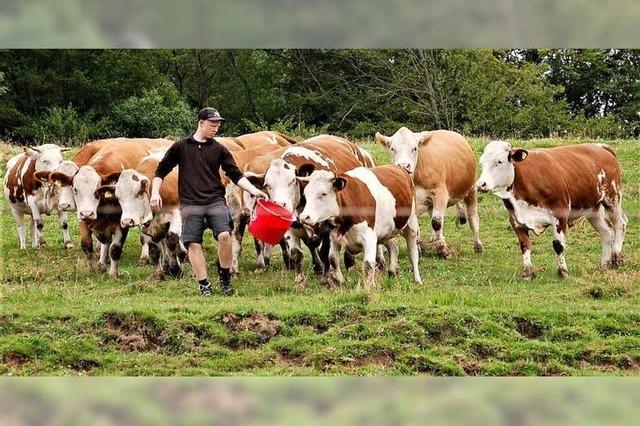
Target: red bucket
269,221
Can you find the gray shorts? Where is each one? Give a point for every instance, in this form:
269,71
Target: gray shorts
195,219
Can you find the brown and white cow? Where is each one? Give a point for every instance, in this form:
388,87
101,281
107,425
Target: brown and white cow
99,215
28,195
555,187
366,207
444,171
164,227
323,152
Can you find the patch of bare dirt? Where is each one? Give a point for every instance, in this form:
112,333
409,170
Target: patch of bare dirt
131,332
263,326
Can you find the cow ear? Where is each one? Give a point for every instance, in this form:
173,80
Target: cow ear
423,137
111,178
339,183
144,186
44,177
60,179
256,180
517,155
107,192
31,152
305,170
384,140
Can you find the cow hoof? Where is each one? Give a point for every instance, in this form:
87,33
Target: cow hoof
478,247
42,243
144,261
444,251
528,274
101,267
301,283
113,275
68,245
617,260
392,273
174,271
417,280
158,275
563,273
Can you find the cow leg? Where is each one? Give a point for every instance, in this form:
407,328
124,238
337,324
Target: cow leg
158,272
411,233
260,260
603,228
525,248
286,260
115,250
619,222
64,225
295,252
461,218
392,246
104,254
22,232
86,243
370,248
240,222
37,223
440,202
380,260
471,201
333,275
560,245
145,243
314,244
171,244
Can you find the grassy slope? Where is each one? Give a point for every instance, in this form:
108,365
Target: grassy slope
472,315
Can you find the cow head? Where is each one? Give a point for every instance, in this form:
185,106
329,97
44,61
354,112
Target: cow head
47,157
133,192
497,167
85,190
61,180
281,184
404,145
321,193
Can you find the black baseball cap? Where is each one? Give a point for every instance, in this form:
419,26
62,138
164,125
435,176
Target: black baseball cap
210,114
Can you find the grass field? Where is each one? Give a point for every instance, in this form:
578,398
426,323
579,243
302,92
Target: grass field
473,315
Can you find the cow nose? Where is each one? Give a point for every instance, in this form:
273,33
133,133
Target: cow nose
481,186
64,206
405,166
127,223
146,224
86,214
305,219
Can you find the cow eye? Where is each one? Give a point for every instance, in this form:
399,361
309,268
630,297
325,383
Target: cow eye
499,162
415,149
75,191
324,194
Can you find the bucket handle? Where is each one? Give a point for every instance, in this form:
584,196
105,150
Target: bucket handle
269,210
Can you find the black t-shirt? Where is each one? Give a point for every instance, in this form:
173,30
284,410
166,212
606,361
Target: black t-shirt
199,178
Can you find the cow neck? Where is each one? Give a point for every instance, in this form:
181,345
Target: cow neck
355,196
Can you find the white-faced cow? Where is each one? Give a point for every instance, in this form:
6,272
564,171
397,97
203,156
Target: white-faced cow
324,152
366,207
164,227
555,187
101,216
444,171
28,195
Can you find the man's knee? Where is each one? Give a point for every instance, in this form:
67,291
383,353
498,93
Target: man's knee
224,237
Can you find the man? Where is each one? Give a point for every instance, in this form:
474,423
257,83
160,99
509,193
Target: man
202,195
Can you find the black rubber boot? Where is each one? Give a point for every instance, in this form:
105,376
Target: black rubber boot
205,287
225,280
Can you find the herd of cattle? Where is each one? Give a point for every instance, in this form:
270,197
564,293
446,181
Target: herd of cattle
339,197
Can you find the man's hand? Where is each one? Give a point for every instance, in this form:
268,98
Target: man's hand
155,201
260,194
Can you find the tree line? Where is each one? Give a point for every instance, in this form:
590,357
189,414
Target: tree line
71,96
